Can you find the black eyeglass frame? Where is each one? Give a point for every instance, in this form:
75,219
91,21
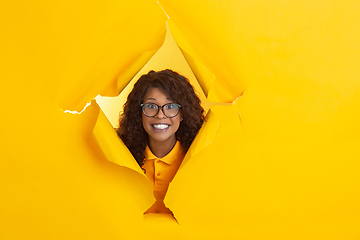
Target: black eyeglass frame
158,109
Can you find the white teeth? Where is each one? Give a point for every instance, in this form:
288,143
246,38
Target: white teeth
160,126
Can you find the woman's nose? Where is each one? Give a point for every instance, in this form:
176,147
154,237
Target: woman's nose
161,113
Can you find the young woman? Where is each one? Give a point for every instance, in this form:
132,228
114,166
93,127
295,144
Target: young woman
161,117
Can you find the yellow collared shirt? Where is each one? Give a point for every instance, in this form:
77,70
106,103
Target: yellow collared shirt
161,171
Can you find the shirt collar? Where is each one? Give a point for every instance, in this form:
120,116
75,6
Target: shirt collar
170,158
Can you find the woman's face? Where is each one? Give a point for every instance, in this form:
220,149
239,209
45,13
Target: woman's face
161,129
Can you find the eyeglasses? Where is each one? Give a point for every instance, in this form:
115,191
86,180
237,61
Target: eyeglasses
170,110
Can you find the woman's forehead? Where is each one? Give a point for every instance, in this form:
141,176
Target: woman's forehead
156,94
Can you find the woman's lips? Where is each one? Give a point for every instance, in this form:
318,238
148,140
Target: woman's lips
160,126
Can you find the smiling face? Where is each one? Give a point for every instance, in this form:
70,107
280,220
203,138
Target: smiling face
161,129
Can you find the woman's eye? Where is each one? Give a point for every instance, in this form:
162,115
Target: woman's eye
171,106
152,106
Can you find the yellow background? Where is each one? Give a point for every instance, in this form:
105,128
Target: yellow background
281,162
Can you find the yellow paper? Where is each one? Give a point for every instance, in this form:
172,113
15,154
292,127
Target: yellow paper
282,162
111,145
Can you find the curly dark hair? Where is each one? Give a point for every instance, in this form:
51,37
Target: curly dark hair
180,91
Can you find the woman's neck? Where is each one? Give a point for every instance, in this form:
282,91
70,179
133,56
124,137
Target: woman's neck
161,149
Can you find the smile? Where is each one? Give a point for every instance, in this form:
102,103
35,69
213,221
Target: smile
160,126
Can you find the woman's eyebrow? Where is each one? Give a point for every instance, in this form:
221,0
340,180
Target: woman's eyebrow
150,99
155,99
